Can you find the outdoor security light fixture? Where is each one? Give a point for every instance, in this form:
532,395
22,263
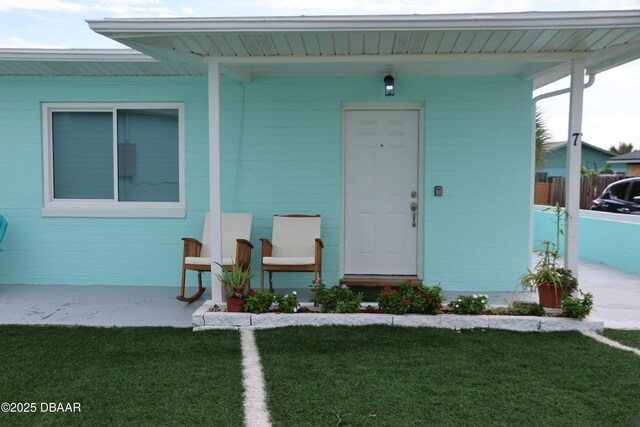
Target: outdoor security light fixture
389,86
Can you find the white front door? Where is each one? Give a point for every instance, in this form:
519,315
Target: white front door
381,186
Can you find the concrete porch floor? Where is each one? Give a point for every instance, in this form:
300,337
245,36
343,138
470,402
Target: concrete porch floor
616,297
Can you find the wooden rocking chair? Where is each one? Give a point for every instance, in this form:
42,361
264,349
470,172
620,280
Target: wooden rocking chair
296,246
236,249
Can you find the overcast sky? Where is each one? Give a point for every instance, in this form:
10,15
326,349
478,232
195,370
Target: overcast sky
611,109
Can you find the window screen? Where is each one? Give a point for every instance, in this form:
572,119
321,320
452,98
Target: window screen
148,169
82,155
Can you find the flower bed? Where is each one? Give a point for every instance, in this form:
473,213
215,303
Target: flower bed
406,305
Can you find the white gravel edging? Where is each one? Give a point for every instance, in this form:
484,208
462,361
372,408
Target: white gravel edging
255,399
608,341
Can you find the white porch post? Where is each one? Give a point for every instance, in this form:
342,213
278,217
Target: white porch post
574,161
214,179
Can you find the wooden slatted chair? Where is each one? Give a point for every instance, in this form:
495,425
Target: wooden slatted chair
236,249
296,247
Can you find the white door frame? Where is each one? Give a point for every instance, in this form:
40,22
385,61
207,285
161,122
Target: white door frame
385,106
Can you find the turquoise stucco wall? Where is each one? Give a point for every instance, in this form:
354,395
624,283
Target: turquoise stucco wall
610,239
556,161
281,153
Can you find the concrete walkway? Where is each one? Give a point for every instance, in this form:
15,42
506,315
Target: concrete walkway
616,296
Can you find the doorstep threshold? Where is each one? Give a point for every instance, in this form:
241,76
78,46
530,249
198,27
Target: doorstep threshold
378,280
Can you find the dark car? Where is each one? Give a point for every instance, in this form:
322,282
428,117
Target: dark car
620,197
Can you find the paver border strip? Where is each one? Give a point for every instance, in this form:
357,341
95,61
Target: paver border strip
608,341
256,413
206,319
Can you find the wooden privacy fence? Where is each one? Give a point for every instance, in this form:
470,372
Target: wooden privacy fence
590,188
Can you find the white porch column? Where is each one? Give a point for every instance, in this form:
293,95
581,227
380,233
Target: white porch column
214,179
574,161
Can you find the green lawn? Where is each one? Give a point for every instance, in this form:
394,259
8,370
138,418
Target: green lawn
122,376
408,377
626,337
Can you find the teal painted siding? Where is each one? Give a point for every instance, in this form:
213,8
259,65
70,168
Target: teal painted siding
123,251
281,153
478,149
612,241
556,162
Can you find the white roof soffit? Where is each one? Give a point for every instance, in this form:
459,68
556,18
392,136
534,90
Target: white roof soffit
533,45
88,62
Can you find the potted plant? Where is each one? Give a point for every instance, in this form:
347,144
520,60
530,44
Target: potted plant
551,280
235,282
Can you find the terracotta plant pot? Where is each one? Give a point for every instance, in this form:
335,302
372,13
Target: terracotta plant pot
550,296
235,305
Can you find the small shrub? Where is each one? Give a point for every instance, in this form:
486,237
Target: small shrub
287,303
428,300
338,299
396,300
469,304
520,309
258,302
409,299
577,307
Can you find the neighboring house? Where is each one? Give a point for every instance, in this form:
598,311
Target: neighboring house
556,160
110,157
630,160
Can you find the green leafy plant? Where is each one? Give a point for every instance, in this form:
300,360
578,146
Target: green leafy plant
337,299
235,280
585,171
520,309
396,300
411,299
547,271
577,307
287,303
469,304
258,302
427,300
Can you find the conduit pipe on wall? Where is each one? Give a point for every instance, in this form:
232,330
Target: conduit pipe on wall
588,84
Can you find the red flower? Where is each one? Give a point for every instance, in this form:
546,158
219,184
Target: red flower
439,307
404,301
430,299
409,280
252,292
384,295
425,295
387,287
395,291
259,305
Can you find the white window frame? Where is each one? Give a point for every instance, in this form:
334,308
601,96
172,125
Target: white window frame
108,208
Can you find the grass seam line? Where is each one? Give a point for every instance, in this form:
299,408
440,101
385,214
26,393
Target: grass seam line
608,341
256,413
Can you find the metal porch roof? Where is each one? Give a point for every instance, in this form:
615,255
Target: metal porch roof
536,46
533,45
